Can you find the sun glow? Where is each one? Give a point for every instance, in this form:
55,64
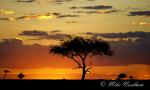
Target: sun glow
44,17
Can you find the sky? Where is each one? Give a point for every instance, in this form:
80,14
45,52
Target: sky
28,27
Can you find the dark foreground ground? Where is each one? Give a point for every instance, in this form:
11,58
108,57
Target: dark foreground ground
27,84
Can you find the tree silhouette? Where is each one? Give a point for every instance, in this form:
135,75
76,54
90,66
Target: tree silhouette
21,76
5,73
78,48
131,77
121,76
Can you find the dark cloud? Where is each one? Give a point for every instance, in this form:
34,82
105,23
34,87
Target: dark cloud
36,16
91,0
71,22
59,2
63,16
135,34
62,0
56,13
96,7
40,35
79,12
102,12
11,42
140,13
7,19
135,53
55,31
59,15
126,35
34,33
13,54
31,16
28,1
39,16
57,36
98,12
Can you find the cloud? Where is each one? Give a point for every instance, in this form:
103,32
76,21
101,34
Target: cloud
7,19
71,22
102,12
14,54
98,12
96,7
79,11
59,15
139,34
69,15
36,16
34,33
126,35
27,1
139,13
141,23
11,42
39,16
6,12
57,36
91,0
135,53
55,31
62,0
58,2
31,16
41,35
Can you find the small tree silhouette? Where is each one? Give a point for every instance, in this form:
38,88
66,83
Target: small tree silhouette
121,76
78,48
131,77
5,73
21,76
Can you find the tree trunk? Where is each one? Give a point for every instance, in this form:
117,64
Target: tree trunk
4,76
83,73
83,69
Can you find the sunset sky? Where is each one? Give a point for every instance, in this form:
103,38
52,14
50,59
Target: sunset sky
28,27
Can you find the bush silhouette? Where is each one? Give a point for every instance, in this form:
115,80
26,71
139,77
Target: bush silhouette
21,76
121,76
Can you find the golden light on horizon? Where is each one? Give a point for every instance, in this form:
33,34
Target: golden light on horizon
44,17
101,72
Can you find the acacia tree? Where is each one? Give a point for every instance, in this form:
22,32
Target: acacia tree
78,48
5,73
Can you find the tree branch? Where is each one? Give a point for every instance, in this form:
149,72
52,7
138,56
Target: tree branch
77,68
79,64
87,70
